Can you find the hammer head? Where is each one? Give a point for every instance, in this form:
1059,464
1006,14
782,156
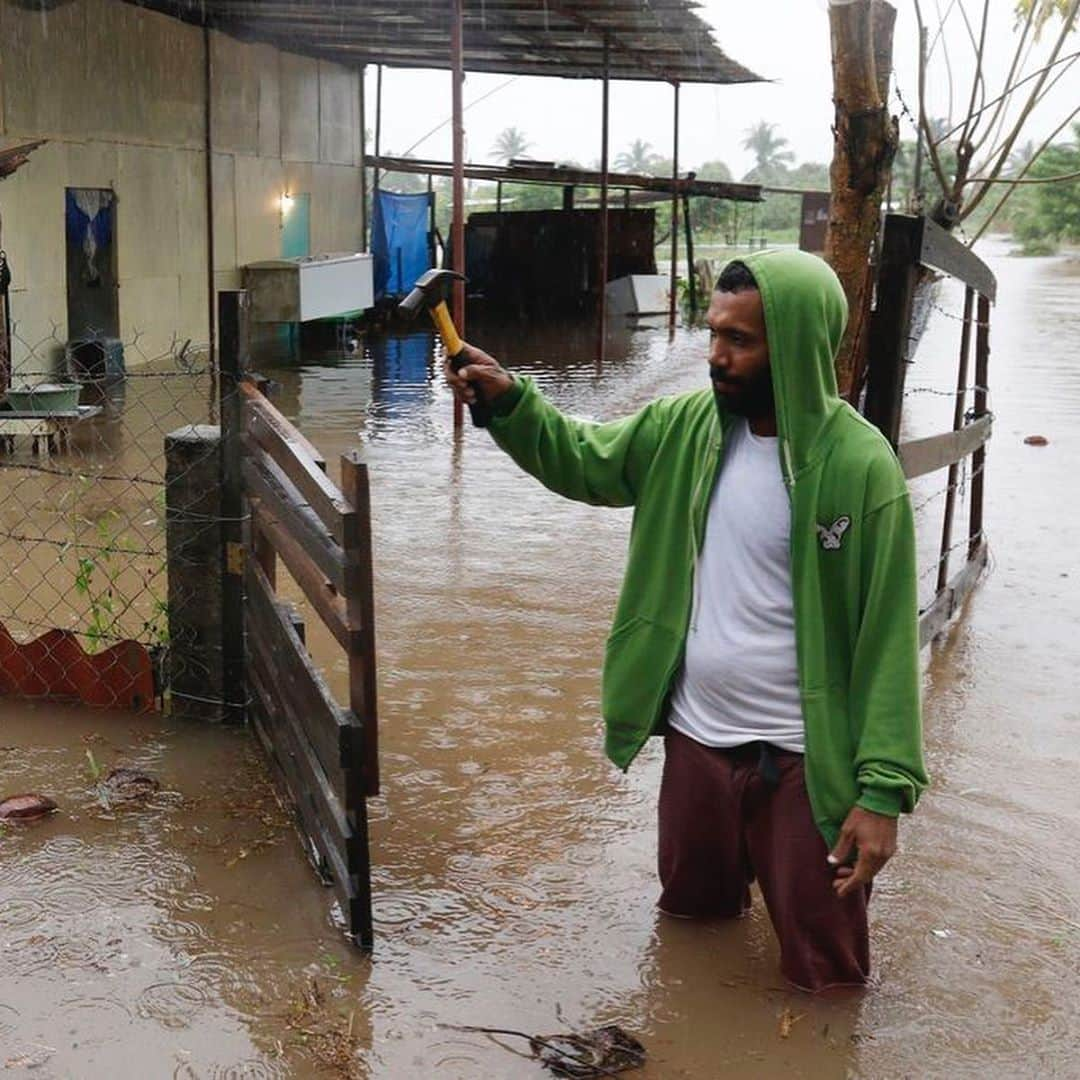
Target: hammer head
428,291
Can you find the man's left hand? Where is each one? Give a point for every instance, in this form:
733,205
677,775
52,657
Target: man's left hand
873,836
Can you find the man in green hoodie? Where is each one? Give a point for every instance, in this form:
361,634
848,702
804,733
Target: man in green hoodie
767,625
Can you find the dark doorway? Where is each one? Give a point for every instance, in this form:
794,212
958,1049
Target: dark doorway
92,302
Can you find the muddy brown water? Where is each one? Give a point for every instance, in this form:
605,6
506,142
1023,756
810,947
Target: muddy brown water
514,875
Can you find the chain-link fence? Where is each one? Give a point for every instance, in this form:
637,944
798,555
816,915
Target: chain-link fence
84,508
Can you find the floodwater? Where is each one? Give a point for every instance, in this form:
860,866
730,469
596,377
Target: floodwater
514,875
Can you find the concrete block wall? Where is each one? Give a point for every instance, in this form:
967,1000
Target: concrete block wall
119,93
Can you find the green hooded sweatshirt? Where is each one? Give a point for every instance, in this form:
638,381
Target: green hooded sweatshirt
853,584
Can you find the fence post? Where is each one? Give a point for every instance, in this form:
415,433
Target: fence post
232,361
890,326
193,552
958,423
978,459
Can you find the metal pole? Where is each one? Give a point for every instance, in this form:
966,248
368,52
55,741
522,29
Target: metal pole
958,421
978,459
208,147
378,129
232,361
915,198
363,163
690,276
457,226
673,299
601,307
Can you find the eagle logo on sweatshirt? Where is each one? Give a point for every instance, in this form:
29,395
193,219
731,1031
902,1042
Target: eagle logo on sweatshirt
831,535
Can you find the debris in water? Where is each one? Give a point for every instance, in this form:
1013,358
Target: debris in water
26,807
1036,440
787,1021
942,933
604,1051
127,785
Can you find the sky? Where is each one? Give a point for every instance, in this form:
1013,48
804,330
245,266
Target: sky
784,41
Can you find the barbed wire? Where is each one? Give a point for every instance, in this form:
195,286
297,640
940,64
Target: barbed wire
965,542
959,485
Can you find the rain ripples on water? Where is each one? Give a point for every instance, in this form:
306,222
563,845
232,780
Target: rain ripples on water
513,867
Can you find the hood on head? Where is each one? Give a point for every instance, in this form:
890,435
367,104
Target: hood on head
805,316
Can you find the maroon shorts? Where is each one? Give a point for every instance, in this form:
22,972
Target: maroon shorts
726,817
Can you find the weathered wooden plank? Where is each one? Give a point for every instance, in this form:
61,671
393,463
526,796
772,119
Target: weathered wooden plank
309,782
352,893
890,324
316,586
332,730
360,601
944,252
255,398
281,442
263,729
232,356
266,482
947,602
921,456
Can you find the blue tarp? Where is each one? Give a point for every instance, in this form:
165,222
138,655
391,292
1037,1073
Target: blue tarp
400,241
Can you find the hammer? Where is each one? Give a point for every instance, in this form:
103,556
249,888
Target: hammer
429,292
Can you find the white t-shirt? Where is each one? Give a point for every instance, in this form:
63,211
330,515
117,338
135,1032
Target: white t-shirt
739,680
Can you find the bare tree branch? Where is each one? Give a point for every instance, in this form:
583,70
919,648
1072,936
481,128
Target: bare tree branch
1046,90
971,120
1014,67
1015,181
1067,24
1068,59
1019,180
924,123
944,52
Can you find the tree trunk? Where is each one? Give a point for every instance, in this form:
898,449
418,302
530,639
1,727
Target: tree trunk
865,141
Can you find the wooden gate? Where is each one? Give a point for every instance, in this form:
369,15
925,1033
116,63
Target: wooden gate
324,755
911,244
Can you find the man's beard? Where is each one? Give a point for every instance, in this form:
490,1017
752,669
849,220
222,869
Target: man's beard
750,398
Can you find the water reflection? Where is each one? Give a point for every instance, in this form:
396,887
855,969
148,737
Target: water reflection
514,868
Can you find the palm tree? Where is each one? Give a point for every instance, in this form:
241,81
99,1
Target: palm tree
509,144
767,148
637,158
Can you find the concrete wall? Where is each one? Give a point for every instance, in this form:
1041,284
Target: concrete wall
119,93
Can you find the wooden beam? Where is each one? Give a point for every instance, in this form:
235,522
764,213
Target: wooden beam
319,590
266,482
254,397
331,730
935,618
921,456
282,442
346,859
360,606
565,176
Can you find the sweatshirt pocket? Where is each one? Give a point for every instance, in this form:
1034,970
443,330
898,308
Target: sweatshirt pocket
639,661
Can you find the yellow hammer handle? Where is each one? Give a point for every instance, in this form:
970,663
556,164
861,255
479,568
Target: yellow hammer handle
440,316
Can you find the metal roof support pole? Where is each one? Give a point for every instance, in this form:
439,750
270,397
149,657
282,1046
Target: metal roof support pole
601,307
378,130
362,151
457,226
208,148
673,298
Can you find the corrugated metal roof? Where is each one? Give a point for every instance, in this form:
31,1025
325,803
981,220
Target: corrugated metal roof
652,40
